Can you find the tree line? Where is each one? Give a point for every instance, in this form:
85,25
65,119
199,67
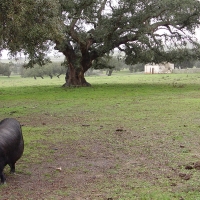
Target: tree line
108,64
50,69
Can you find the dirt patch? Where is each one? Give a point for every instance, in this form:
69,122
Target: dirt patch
69,174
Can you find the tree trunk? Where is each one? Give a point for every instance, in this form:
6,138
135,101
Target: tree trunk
79,61
109,72
75,77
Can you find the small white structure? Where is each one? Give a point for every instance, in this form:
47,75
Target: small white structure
158,68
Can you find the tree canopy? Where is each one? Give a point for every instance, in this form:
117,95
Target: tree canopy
86,30
29,27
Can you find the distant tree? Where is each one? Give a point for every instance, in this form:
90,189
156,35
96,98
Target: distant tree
185,64
5,69
137,67
16,68
197,64
131,68
86,30
105,62
54,69
110,63
50,69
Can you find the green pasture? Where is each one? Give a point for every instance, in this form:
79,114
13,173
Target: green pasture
130,136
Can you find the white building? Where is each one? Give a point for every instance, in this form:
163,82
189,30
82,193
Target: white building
158,68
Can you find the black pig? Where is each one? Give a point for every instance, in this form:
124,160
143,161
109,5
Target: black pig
11,144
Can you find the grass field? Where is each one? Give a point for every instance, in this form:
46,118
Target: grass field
129,136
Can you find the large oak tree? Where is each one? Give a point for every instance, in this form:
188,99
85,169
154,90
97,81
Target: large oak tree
86,30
